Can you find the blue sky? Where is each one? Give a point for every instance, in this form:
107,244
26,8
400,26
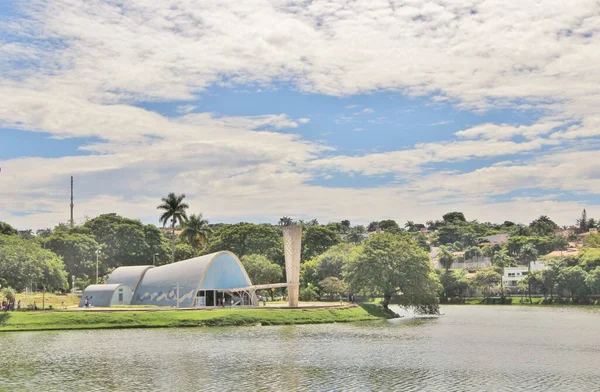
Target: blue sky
331,110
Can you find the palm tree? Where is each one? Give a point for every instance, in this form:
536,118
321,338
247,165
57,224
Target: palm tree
502,259
286,221
446,257
175,211
196,230
410,226
528,254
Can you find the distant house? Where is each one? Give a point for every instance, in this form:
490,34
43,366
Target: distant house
500,239
564,233
563,253
512,276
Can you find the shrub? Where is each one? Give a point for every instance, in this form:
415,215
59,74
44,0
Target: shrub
9,293
309,293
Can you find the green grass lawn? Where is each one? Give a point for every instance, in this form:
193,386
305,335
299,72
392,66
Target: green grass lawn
57,320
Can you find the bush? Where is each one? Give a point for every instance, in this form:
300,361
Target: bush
309,293
9,293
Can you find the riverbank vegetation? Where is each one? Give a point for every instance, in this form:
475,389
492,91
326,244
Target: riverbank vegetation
338,258
59,320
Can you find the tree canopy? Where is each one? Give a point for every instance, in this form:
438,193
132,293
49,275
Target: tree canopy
24,263
394,266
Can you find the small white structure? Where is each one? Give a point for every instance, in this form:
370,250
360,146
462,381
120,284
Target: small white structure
105,295
512,275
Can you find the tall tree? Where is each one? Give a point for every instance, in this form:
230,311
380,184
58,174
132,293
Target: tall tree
543,225
446,257
316,240
583,222
24,264
454,216
7,229
174,208
528,255
394,265
78,252
286,221
486,279
247,239
196,231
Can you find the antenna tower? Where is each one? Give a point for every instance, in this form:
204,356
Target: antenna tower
71,221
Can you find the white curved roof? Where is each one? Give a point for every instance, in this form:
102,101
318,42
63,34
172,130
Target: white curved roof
221,270
100,294
131,276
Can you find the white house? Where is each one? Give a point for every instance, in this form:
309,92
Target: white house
512,275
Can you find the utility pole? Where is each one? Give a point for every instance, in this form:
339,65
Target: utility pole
72,222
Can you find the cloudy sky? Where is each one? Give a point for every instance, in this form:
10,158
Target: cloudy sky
256,109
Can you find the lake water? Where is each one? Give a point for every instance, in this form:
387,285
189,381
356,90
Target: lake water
469,348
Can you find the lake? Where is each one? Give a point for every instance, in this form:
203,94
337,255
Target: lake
469,348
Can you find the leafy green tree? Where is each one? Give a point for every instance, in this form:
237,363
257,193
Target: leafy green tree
551,275
394,265
573,279
316,240
455,283
184,251
502,259
332,286
346,226
446,257
261,270
7,229
356,234
330,263
246,239
309,293
175,211
26,234
422,241
592,240
543,245
449,234
592,281
583,222
454,216
9,294
543,226
389,226
78,252
473,252
25,263
588,258
286,221
528,255
196,231
560,243
487,279
125,241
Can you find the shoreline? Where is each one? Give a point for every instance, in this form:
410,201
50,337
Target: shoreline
83,320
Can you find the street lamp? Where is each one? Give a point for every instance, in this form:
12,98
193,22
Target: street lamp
97,254
154,259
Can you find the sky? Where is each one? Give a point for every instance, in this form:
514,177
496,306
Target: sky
359,110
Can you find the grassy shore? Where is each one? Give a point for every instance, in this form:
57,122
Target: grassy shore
65,320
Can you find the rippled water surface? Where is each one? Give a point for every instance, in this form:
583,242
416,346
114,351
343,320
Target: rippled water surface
469,348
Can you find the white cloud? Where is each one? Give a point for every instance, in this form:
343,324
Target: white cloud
185,109
479,55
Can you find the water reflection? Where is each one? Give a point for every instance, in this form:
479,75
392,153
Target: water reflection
468,349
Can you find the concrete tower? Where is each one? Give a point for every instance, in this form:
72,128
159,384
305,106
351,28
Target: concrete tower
292,246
